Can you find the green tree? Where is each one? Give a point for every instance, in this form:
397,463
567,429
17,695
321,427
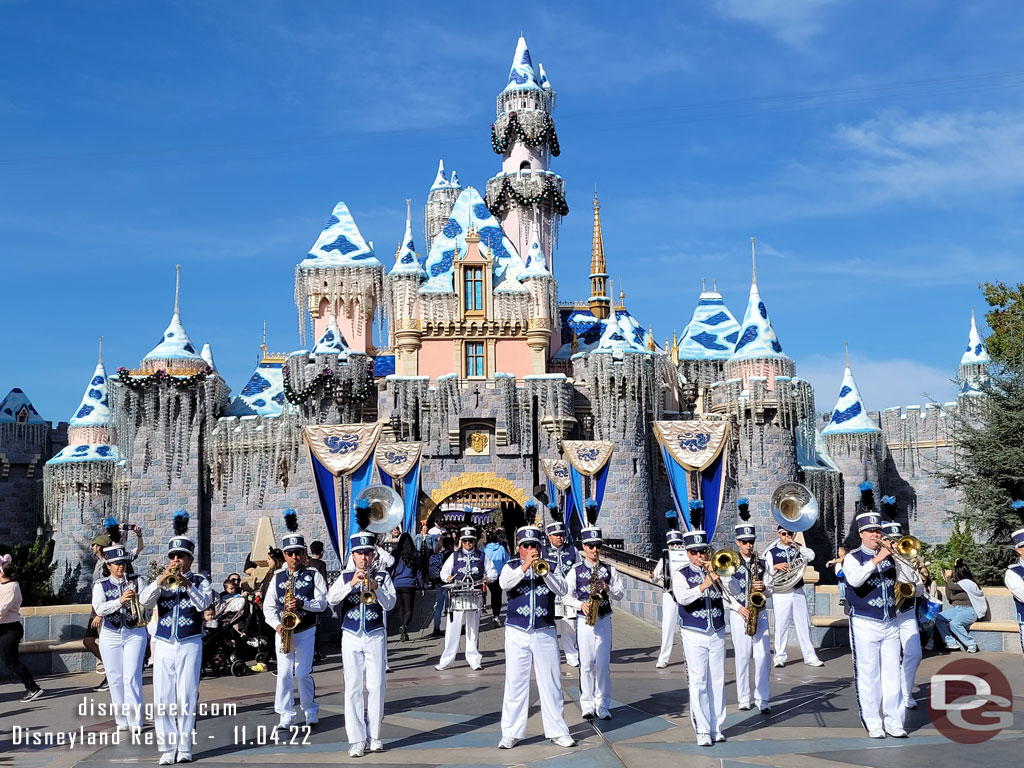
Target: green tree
34,566
1006,319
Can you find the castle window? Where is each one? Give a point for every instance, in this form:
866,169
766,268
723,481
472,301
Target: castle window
475,359
473,285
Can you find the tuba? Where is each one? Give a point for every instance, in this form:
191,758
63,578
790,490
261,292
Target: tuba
386,508
907,550
795,509
289,619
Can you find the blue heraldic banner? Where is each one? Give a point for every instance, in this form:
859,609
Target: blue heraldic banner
401,461
586,458
695,446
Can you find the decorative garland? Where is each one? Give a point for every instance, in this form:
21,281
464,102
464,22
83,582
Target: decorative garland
344,392
549,193
547,134
140,383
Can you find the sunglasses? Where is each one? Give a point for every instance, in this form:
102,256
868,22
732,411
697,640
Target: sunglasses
592,546
530,545
703,551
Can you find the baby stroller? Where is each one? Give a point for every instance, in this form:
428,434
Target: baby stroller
234,636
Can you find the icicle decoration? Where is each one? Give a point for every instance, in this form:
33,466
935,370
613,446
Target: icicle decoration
621,391
246,455
32,434
358,290
554,403
409,399
445,400
400,302
438,308
84,484
512,308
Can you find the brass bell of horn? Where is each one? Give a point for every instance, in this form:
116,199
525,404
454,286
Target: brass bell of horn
386,508
794,507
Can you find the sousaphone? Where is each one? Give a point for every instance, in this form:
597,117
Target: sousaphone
386,508
795,509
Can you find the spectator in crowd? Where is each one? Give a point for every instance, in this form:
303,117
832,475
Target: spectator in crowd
967,605
316,560
496,551
441,594
837,563
11,629
928,607
408,578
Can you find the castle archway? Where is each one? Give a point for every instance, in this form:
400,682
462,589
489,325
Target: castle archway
490,497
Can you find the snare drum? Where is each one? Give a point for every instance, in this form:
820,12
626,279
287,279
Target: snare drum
467,599
563,610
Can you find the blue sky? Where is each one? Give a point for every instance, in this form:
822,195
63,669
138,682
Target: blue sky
873,148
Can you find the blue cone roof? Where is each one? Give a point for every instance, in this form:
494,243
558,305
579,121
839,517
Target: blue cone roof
757,337
849,417
712,332
263,394
340,244
14,402
94,410
522,75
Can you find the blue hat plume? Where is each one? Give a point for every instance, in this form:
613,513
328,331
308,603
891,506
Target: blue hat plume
697,514
743,505
555,512
867,494
591,507
363,513
291,520
673,520
181,519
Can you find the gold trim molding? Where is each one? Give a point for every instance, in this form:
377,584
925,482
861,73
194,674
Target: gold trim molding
468,480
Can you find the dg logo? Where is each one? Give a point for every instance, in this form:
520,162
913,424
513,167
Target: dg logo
970,701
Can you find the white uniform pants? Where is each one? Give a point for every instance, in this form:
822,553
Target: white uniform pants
539,648
453,634
669,622
297,666
122,652
363,655
876,665
910,639
705,672
745,649
176,668
595,646
569,647
791,612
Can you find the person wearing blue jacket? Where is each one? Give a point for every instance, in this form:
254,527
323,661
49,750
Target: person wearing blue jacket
407,578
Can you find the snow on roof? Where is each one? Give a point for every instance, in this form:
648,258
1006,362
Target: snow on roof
757,337
469,212
93,411
849,416
407,262
86,452
976,353
542,76
207,355
340,244
712,332
175,344
590,331
522,76
332,342
14,404
263,394
443,182
536,263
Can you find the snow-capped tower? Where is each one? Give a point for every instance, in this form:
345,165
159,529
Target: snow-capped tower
403,283
440,201
543,304
340,274
524,135
708,339
175,353
975,362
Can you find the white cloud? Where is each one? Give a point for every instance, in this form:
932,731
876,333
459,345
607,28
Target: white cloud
794,22
883,383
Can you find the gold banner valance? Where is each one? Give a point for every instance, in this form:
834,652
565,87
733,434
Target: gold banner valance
693,444
342,448
557,471
396,459
588,456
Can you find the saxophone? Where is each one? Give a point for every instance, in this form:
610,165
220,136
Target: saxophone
289,619
594,600
756,600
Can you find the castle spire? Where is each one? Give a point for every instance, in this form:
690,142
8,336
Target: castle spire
974,363
440,181
599,302
175,353
712,331
753,262
849,417
177,287
100,357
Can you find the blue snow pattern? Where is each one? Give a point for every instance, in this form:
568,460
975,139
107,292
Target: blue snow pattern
256,385
844,391
383,365
849,415
522,75
263,394
93,410
85,453
758,340
710,341
340,244
718,318
839,417
712,331
748,337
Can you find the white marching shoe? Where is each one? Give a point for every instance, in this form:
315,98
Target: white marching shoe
376,745
507,742
357,750
167,758
564,741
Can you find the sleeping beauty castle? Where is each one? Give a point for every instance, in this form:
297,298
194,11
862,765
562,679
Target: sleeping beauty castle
485,390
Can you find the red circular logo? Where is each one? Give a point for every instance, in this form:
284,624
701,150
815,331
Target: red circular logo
970,701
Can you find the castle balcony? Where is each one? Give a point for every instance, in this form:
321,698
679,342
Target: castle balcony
525,188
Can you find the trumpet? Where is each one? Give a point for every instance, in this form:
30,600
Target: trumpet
541,567
368,589
134,615
175,579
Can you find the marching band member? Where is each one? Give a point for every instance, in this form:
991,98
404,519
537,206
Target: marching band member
178,655
750,577
562,557
594,578
874,630
530,638
467,564
1014,578
906,611
663,573
307,599
365,595
123,636
790,604
701,597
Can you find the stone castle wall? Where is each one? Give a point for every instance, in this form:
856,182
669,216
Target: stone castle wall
24,449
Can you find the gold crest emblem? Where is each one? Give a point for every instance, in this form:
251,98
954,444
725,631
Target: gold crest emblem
478,441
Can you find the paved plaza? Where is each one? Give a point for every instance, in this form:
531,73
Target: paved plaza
452,718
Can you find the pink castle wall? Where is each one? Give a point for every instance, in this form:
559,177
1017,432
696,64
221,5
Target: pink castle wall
512,357
437,357
357,332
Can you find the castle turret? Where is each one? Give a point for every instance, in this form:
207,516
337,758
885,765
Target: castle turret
342,275
600,303
440,200
207,355
175,354
975,362
708,340
523,133
543,305
403,285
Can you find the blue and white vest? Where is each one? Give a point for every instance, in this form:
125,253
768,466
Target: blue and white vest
468,565
356,617
177,617
112,590
744,570
583,572
303,591
876,597
561,558
531,603
785,555
706,613
1018,568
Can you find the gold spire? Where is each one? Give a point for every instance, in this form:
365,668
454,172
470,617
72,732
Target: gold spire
599,304
650,339
675,348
